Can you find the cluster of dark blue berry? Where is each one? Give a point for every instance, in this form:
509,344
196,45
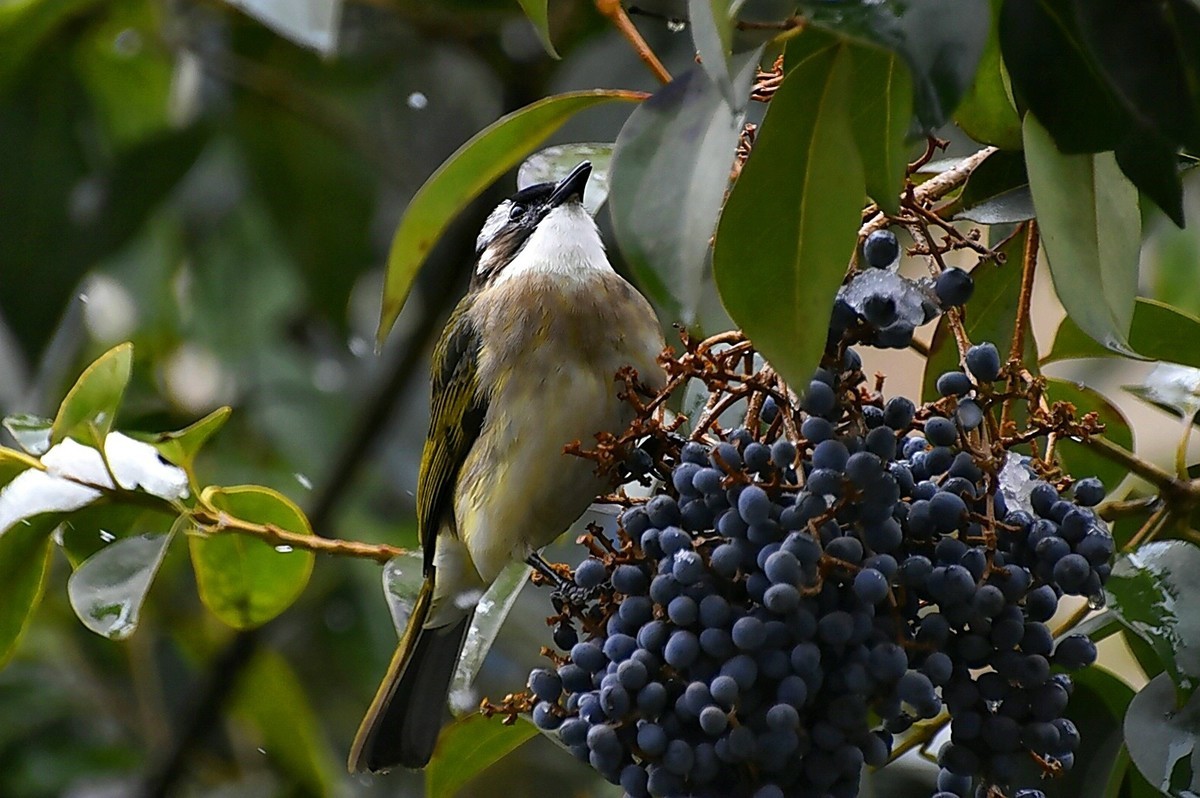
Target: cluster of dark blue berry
878,307
789,602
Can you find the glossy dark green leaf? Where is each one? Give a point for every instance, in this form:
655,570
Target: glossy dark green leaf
1153,166
1163,737
791,222
997,192
1091,231
1136,45
468,747
1097,707
991,315
244,581
941,41
1000,172
1054,76
679,144
986,112
1147,658
271,697
882,116
89,408
712,35
1080,460
472,168
1155,332
537,12
1154,592
24,562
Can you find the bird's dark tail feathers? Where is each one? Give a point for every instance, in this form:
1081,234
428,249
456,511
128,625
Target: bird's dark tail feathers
402,725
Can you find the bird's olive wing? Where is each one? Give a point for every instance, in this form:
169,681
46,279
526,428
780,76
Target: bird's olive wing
458,408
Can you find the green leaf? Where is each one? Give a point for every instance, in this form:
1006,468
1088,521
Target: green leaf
88,411
941,41
1153,166
537,12
1097,706
1001,178
13,462
1147,658
468,747
1080,460
881,117
1092,231
791,222
1155,332
991,315
1154,593
986,112
24,564
271,697
1054,75
244,581
1138,46
182,446
86,531
32,433
106,591
472,168
26,25
489,617
1163,736
680,144
712,34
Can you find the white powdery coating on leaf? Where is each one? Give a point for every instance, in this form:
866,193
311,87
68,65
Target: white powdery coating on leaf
34,492
138,465
1016,483
74,461
75,474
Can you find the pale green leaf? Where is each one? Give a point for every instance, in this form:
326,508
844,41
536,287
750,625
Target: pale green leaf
243,580
468,747
1092,232
87,412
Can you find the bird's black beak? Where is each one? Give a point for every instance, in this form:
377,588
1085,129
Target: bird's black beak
571,187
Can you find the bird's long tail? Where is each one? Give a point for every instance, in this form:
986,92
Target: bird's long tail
402,725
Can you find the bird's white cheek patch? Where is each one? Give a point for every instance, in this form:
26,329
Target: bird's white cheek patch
565,242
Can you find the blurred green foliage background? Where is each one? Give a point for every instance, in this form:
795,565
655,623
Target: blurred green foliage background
178,174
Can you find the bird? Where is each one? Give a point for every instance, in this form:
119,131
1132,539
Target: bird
527,364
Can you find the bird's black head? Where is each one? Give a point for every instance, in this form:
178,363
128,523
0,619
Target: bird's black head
514,220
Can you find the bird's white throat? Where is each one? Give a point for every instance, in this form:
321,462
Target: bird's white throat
565,242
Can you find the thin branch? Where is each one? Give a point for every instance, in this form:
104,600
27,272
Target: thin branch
216,523
1028,267
617,15
933,189
1149,529
1163,480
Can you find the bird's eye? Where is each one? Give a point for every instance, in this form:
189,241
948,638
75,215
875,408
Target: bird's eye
516,212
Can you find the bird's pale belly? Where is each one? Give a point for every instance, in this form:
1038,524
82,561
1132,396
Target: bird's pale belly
532,491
